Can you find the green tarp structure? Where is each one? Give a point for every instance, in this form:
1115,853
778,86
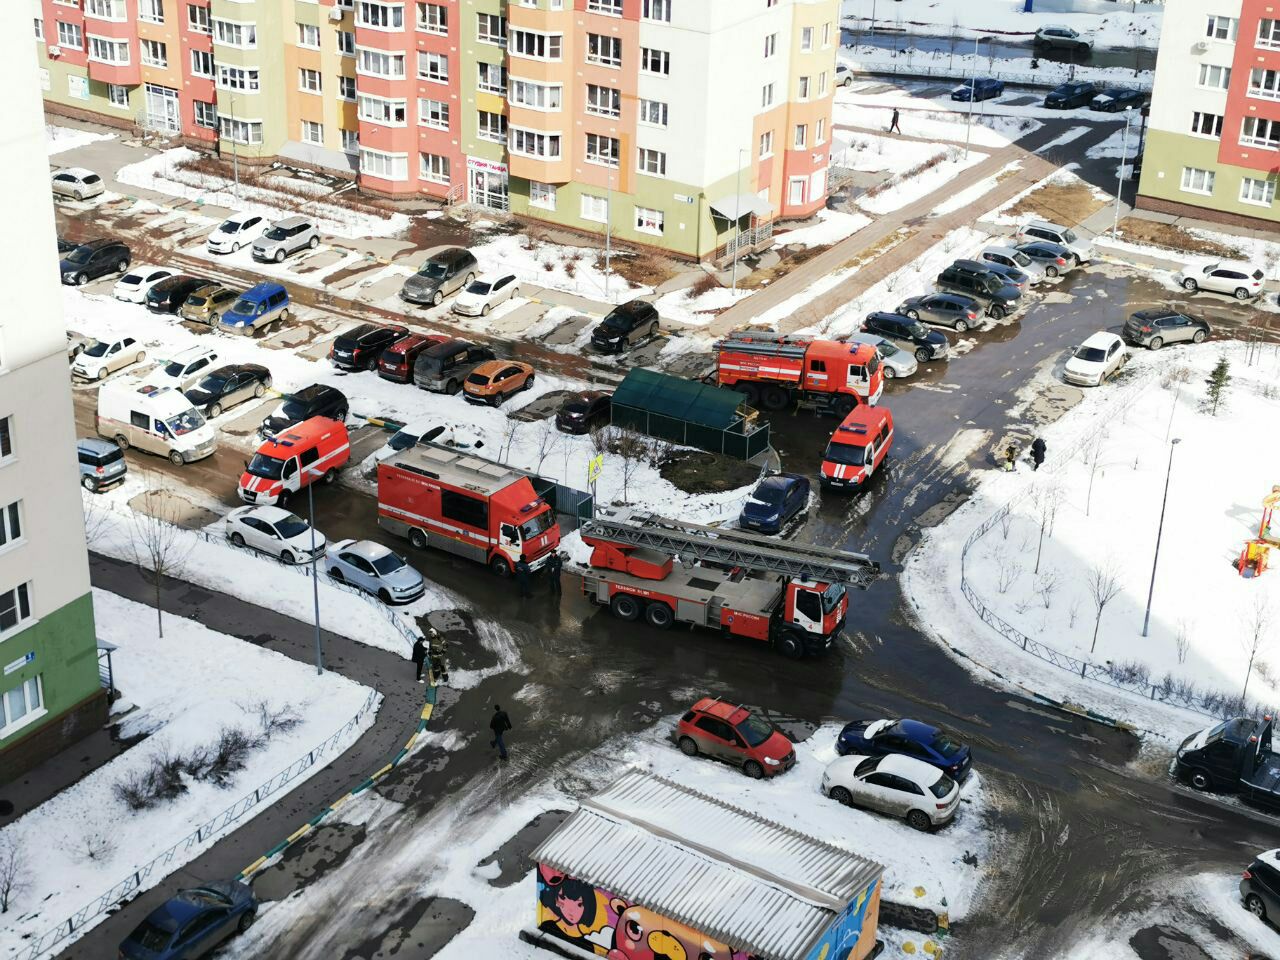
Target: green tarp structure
687,412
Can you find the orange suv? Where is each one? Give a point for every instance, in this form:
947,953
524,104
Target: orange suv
495,380
735,735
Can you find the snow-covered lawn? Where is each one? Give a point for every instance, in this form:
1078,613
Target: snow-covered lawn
907,187
927,120
572,269
871,153
975,191
1116,145
1203,614
187,688
956,69
832,227
62,139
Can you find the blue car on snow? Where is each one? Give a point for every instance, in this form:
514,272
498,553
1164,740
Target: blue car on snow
980,88
877,738
774,501
192,923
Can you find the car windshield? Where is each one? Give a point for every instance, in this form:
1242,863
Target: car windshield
848,454
772,495
616,321
131,278
436,271
213,383
96,349
832,596
479,287
244,305
1021,259
79,255
886,349
293,408
150,937
1069,236
917,330
575,406
93,178
1091,354
536,526
196,301
403,440
291,526
174,368
755,730
276,233
269,468
479,379
185,422
867,767
942,787
945,745
229,226
387,564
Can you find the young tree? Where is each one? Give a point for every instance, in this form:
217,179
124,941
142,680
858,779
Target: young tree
1104,584
1217,383
549,440
632,449
1045,498
159,547
13,872
1257,626
1092,453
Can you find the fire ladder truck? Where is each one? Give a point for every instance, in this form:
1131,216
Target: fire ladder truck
774,371
790,595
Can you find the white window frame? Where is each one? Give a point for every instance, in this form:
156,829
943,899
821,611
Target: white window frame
382,110
1247,189
350,140
485,32
1261,91
766,96
346,43
308,127
39,28
1225,25
483,67
822,84
1198,117
200,60
519,41
234,33
648,220
1189,177
242,131
653,113
806,39
770,45
248,81
654,61
820,131
151,11
372,62
485,127
1210,70
612,95
426,162
386,161
32,685
610,156
70,35
651,162
308,36
1254,139
112,11
346,83
209,110
198,19
593,208
800,136
792,184
657,10
306,76
611,59
542,195
537,144
13,526
98,47
429,63
826,36
606,8
113,89
432,18
545,97
154,53
766,144
391,13
433,113
1268,36
802,88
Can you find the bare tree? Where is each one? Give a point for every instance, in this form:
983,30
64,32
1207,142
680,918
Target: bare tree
1073,613
632,450
1045,499
1182,641
96,519
13,872
549,440
159,547
1006,524
1046,585
508,436
953,37
1257,626
1092,453
1104,584
1008,571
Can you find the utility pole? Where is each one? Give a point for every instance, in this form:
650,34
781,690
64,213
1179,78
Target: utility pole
1146,621
608,234
737,239
235,155
1124,156
315,576
973,92
873,19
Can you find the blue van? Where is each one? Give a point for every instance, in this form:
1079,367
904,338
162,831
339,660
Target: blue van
257,309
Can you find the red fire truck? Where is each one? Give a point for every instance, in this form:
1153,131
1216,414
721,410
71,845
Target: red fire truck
442,497
774,371
857,448
788,595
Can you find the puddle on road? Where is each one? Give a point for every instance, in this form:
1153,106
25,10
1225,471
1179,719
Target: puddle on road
326,849
420,933
511,860
1166,943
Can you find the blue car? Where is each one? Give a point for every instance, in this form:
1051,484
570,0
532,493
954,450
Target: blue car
257,309
192,923
910,738
774,501
981,88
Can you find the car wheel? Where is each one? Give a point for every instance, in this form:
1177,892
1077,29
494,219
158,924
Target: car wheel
237,539
122,441
470,276
913,314
1156,343
437,298
313,242
961,326
259,390
515,292
1190,285
102,373
176,458
1198,336
279,257
286,556
624,344
384,597
78,195
1201,780
499,567
625,607
889,373
484,311
215,411
922,354
1253,903
995,313
89,484
753,770
235,248
528,384
246,920
284,314
418,539
689,746
336,576
329,477
789,645
81,279
1051,271
1242,293
659,615
919,820
841,796
122,266
451,387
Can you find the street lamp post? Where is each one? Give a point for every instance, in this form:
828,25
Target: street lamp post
1124,156
608,235
873,18
973,91
1146,621
315,576
737,237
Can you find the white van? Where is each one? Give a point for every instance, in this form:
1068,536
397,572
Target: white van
155,419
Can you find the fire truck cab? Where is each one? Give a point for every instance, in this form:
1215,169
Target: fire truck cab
775,371
297,457
857,448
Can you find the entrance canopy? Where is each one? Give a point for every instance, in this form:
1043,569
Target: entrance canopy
736,206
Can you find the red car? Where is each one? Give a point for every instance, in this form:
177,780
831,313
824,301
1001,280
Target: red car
396,362
734,734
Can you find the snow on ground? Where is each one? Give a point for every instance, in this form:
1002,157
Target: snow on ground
1064,175
1074,133
1116,145
929,121
871,153
573,269
1215,505
62,139
903,190
974,192
186,687
684,306
910,94
947,68
832,227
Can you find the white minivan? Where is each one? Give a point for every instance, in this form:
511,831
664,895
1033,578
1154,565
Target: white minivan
156,419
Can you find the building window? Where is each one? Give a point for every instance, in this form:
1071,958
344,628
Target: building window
201,63
655,61
434,168
820,132
603,101
69,35
237,78
433,113
1221,28
346,43
804,89
1264,83
766,95
433,66
381,110
537,46
826,35
491,126
1269,33
346,88
653,112
105,50
105,9
612,8
651,161
387,166
151,10
491,28
1195,180
1206,124
649,221
433,18
350,141
806,39
379,63
542,195
1259,132
1215,78
532,143
240,131
313,132
801,139
603,150
770,45
379,16
595,208
206,114
766,144
25,701
536,96
309,36
198,19
118,95
606,51
309,80
657,10
243,35
822,84
492,78
11,524
154,53
39,28
1257,192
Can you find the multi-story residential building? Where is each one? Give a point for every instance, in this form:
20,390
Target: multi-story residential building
50,694
1213,141
676,123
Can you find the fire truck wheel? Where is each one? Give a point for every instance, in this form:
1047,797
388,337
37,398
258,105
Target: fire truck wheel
659,615
844,405
625,606
749,391
753,770
499,567
417,539
688,746
330,475
773,398
790,645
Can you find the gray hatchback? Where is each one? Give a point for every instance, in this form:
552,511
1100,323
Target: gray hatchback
102,464
1154,328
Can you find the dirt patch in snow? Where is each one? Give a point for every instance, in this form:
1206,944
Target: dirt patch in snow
791,257
639,269
1169,237
694,471
1069,203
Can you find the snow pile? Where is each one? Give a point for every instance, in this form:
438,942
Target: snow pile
697,309
832,227
559,267
187,688
870,153
62,139
911,185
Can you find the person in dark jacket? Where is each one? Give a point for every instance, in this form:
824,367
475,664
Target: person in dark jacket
523,571
499,724
420,655
1038,448
554,565
893,124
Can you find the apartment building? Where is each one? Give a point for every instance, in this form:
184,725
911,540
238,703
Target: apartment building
50,695
1213,141
677,124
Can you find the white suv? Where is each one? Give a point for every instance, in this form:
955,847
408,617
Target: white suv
285,237
1232,277
234,232
1081,248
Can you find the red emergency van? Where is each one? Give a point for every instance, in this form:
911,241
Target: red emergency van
857,448
315,449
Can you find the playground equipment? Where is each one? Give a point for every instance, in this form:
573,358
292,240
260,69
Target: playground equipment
1253,558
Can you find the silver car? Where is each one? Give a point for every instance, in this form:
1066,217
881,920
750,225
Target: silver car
894,361
894,784
285,237
374,569
102,464
1013,257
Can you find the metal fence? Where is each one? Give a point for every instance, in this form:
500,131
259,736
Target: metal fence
914,65
566,500
740,440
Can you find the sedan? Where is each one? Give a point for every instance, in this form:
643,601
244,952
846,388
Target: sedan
182,369
192,923
1068,95
228,386
1236,279
276,531
1115,99
1154,328
495,380
980,88
580,412
77,183
94,259
775,502
170,294
1099,357
102,357
374,569
484,293
133,286
912,335
360,347
894,361
316,400
953,310
235,232
875,738
1054,257
896,785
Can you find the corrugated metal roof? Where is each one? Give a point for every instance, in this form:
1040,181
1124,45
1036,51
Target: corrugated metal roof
735,876
677,397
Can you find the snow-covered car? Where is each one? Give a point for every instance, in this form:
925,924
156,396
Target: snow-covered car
374,569
484,293
182,369
275,531
900,786
1099,357
430,430
1235,278
102,357
133,286
844,76
77,183
1013,257
234,232
894,361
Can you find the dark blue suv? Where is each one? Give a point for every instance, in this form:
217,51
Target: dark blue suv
192,923
774,501
981,88
876,738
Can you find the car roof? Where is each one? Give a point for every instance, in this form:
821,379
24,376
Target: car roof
917,730
1100,339
1155,314
903,766
631,306
778,481
448,255
292,222
367,549
145,268
1000,248
264,289
313,392
449,347
1270,857
1242,265
1047,225
96,444
1051,246
494,277
80,172
268,513
188,352
210,288
490,367
99,243
587,395
715,707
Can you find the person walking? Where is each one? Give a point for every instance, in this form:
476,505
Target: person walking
499,724
893,124
554,565
1010,458
523,571
439,668
420,649
1038,449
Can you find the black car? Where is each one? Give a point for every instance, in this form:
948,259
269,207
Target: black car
1115,99
360,347
1260,887
316,400
171,293
228,386
926,344
625,325
973,278
582,411
65,246
94,259
1054,257
953,310
1068,95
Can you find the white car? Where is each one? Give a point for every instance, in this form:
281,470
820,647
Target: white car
427,429
1232,277
844,76
1099,357
275,531
236,231
102,357
900,786
133,286
484,293
1013,257
77,183
182,369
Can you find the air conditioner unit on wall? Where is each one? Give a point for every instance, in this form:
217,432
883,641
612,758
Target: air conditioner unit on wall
1200,46
55,50
335,13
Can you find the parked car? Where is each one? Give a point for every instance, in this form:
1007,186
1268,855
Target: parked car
912,335
1154,328
444,367
1068,95
894,361
1233,756
207,304
1115,99
484,293
1054,36
978,89
911,738
77,183
316,400
374,569
397,360
1232,277
170,294
360,347
580,412
774,502
723,731
1013,257
1099,357
973,279
234,232
76,344
192,923
496,380
1012,275
899,786
94,259
844,76
275,531
182,369
258,308
1260,886
285,237
102,357
65,246
441,274
1054,258
426,430
102,464
625,325
227,387
1081,248
954,310
133,286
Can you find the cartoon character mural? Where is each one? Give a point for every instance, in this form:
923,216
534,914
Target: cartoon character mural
852,935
